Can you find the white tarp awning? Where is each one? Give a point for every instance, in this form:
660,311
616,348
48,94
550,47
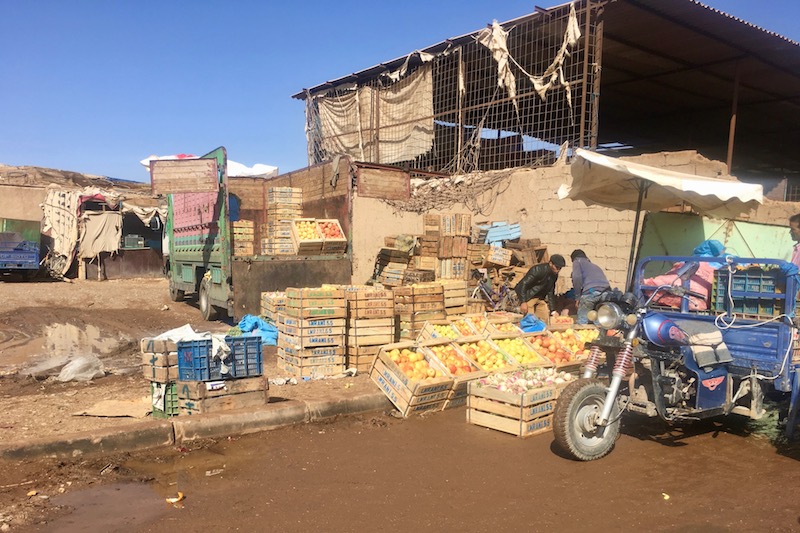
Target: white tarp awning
610,182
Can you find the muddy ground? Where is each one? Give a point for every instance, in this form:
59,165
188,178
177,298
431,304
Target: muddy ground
45,324
42,323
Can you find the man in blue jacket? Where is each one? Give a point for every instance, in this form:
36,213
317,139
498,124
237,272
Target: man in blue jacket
589,282
536,291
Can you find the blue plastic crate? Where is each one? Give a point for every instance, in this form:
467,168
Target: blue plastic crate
245,359
196,361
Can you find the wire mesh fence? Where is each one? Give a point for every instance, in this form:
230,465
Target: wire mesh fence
506,96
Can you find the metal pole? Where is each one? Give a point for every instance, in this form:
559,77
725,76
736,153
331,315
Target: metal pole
629,275
734,111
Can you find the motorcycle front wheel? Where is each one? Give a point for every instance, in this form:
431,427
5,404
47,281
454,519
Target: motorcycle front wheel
574,421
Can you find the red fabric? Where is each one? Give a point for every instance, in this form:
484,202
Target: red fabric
700,282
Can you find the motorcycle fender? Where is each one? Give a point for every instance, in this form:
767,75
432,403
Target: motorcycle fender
712,386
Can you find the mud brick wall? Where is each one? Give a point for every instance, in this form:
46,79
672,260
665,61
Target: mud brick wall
562,225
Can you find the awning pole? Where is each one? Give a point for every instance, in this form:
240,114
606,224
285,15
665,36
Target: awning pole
629,274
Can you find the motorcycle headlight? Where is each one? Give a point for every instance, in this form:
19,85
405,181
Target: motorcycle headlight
609,316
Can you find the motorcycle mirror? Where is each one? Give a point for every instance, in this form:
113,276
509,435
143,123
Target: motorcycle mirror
687,271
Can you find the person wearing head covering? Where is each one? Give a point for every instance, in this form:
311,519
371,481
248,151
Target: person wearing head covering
589,282
536,290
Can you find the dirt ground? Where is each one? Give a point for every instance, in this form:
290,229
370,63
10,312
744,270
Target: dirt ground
42,324
108,318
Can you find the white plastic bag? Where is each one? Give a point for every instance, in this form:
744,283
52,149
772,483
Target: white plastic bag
82,368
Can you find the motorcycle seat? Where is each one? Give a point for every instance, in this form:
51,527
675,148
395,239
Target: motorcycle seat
708,347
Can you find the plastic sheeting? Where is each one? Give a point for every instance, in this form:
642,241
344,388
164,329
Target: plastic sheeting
406,120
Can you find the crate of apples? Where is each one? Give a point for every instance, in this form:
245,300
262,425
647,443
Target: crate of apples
547,346
455,364
306,230
522,352
576,339
486,355
443,331
464,327
506,327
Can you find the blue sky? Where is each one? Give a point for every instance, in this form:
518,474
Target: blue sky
94,86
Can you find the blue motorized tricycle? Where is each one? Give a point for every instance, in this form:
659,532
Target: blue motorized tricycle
690,347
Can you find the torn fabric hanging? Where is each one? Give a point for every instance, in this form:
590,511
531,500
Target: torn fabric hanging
383,125
101,231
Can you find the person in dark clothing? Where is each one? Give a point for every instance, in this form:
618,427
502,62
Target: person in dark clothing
589,283
536,290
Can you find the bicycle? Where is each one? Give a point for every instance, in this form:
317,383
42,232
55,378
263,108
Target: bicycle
503,299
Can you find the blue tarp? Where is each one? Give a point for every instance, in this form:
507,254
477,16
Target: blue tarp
253,325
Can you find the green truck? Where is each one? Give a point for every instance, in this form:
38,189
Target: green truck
200,262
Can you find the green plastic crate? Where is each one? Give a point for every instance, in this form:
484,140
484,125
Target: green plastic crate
170,401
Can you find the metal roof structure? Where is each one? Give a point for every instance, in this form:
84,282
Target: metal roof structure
676,75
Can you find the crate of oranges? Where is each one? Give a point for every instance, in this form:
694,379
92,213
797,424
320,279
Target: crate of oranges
333,239
411,378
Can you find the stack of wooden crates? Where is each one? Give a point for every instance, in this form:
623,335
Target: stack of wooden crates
273,303
284,204
311,332
415,305
208,383
243,237
160,367
370,324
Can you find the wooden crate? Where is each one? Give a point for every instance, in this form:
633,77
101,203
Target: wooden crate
283,318
314,331
306,246
309,371
429,333
160,374
322,351
499,256
225,402
523,415
314,292
409,396
460,381
424,263
300,343
312,360
200,390
333,245
534,358
153,345
465,345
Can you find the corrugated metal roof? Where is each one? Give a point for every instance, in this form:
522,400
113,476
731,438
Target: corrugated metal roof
688,11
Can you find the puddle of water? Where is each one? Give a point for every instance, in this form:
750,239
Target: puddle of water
58,344
109,508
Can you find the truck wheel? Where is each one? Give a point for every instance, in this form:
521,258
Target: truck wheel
175,294
207,311
574,425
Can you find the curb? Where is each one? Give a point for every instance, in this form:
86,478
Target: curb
154,434
138,436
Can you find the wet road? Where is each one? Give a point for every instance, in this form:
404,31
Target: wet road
440,474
